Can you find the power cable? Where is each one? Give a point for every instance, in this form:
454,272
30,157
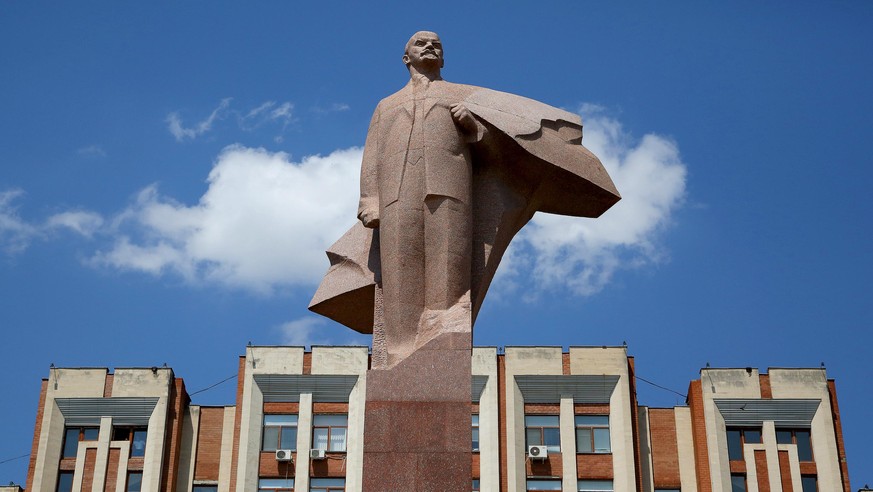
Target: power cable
214,385
662,387
15,458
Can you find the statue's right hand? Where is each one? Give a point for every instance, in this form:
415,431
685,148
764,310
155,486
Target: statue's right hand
369,217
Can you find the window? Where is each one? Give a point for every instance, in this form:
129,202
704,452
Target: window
543,430
737,437
475,485
73,435
809,483
134,482
276,485
65,481
592,434
205,488
594,485
329,432
799,437
280,432
475,433
136,436
327,485
544,484
738,482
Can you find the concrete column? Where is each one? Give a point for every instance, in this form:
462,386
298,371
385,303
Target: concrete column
102,461
188,450
646,450
768,438
304,442
485,364
685,445
567,424
225,462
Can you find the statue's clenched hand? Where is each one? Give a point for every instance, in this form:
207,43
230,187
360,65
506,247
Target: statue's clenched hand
463,118
369,217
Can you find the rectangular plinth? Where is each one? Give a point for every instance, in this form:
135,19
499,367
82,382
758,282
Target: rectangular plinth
417,427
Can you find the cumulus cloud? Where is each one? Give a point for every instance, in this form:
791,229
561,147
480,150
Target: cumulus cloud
82,222
263,223
582,255
247,120
15,233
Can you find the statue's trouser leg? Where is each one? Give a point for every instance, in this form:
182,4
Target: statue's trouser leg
401,240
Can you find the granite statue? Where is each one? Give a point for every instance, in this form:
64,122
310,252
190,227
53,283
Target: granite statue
450,174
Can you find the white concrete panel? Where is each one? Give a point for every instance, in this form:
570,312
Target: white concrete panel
568,444
225,460
304,442
188,449
685,445
484,363
523,360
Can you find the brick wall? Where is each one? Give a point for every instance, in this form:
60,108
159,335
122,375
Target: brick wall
208,459
665,449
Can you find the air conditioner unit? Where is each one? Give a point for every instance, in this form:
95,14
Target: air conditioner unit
537,452
316,454
283,455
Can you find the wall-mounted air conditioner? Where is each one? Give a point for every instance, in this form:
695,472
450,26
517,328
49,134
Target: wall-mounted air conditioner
316,454
537,452
283,455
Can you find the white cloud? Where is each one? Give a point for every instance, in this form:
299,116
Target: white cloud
82,222
582,255
15,233
333,108
91,151
303,331
266,112
174,123
264,222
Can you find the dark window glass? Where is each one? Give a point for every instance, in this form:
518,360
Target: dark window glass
138,445
90,433
475,484
752,436
327,485
71,443
735,444
543,485
65,481
784,437
809,483
275,485
738,483
592,434
205,488
804,446
134,482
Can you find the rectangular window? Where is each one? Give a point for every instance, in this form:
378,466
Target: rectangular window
136,436
543,484
592,434
476,485
738,436
475,433
594,485
134,482
205,488
329,432
809,483
65,481
280,432
327,485
72,436
276,485
543,430
799,437
738,482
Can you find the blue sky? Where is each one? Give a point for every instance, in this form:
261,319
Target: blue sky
170,173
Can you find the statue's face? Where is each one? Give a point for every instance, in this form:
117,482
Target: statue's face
424,50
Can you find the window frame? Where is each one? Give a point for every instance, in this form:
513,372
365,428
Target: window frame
592,435
82,430
282,429
131,437
127,481
794,431
321,487
544,482
743,440
551,448
591,487
204,488
804,479
262,487
476,443
330,429
64,473
741,476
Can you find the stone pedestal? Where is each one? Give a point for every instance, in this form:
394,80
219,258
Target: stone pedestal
417,423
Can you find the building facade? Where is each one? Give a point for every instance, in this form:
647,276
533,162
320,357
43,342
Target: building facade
541,419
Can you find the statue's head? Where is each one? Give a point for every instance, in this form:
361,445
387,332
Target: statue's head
424,51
